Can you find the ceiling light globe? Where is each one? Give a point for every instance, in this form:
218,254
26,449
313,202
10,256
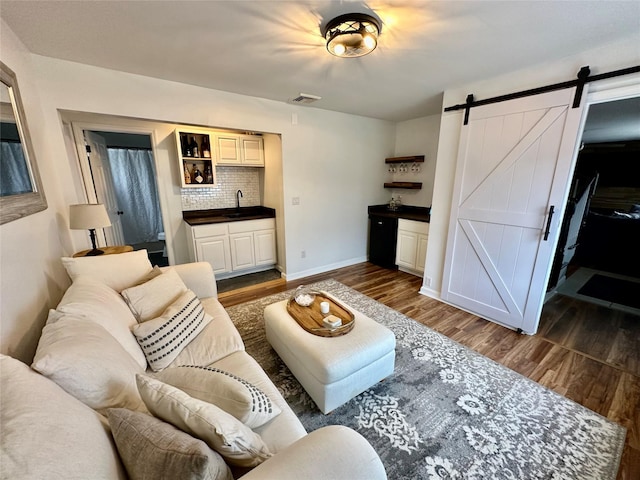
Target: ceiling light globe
369,42
339,49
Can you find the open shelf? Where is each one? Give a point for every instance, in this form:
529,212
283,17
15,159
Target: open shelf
408,185
410,159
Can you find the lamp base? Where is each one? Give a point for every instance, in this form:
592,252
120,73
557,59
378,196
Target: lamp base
94,252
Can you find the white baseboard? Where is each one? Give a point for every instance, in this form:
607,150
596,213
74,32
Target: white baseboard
428,292
323,268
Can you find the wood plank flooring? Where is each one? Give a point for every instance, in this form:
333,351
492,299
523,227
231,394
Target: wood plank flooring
584,352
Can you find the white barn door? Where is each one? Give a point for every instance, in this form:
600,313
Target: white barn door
515,159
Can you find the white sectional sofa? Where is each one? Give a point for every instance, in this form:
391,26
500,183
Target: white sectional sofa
177,398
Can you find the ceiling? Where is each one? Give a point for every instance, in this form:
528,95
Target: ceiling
274,50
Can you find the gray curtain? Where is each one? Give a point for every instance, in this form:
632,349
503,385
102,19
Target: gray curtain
14,175
134,178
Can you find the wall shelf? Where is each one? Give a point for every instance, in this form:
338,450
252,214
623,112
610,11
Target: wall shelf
410,159
407,185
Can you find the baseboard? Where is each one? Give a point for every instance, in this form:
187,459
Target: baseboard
323,269
429,292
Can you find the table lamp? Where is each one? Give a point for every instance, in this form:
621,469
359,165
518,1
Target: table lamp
89,216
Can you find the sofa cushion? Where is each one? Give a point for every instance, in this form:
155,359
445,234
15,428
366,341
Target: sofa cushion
217,340
151,298
163,338
94,301
151,449
46,433
119,271
87,362
234,395
236,442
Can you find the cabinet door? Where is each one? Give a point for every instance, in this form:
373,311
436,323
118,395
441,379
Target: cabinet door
421,257
252,151
228,150
242,254
407,249
214,250
265,247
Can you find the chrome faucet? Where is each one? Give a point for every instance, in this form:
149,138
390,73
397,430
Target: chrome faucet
238,195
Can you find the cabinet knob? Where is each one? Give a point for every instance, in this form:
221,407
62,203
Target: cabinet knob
120,212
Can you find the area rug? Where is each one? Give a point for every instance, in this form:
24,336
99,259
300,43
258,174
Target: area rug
447,411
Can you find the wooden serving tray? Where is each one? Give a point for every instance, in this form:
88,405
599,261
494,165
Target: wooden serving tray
310,317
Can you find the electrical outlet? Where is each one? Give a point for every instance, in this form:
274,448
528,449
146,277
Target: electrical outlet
303,254
428,281
295,201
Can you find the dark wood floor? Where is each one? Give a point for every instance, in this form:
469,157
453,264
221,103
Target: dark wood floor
584,352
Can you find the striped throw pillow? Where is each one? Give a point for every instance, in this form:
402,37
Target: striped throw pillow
164,337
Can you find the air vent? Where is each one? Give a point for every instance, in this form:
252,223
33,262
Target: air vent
305,98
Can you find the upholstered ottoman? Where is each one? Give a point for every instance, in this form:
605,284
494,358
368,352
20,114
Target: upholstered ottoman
332,370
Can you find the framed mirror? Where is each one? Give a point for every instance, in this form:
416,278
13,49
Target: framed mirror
21,192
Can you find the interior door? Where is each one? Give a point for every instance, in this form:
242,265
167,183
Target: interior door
514,163
103,183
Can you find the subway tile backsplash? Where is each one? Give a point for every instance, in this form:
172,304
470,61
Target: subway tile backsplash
223,194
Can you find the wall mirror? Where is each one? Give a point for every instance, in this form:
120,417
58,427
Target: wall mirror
21,192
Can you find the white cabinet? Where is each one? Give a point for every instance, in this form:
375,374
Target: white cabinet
240,150
411,251
244,246
210,243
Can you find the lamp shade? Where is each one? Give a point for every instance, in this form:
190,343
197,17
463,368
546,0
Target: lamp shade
87,216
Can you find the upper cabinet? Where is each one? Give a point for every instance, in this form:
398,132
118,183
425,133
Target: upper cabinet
240,150
196,161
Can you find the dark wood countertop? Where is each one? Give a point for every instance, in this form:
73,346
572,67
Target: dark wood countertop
408,212
222,215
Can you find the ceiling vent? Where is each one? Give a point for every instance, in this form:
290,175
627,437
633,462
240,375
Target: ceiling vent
305,99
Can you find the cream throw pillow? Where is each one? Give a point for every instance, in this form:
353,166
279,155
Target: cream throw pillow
87,362
236,442
152,449
234,395
96,302
150,299
163,338
119,271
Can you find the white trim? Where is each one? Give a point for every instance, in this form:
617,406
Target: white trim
323,269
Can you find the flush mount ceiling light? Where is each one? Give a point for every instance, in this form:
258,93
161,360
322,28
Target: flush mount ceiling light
352,35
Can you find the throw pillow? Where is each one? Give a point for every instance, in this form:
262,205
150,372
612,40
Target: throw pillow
163,338
234,395
86,361
119,271
46,433
236,442
150,299
151,449
94,301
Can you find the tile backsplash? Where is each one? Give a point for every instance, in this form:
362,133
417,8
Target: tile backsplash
223,194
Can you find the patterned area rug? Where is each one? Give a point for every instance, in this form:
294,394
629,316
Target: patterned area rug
447,411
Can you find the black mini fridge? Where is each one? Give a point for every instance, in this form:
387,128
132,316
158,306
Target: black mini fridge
383,232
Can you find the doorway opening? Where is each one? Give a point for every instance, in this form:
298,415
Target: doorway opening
124,178
597,258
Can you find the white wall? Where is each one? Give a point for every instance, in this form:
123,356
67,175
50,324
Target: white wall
331,161
31,276
604,59
417,137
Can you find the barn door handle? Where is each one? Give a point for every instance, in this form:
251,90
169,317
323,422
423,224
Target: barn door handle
549,217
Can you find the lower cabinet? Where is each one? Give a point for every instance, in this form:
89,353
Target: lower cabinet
235,246
411,249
